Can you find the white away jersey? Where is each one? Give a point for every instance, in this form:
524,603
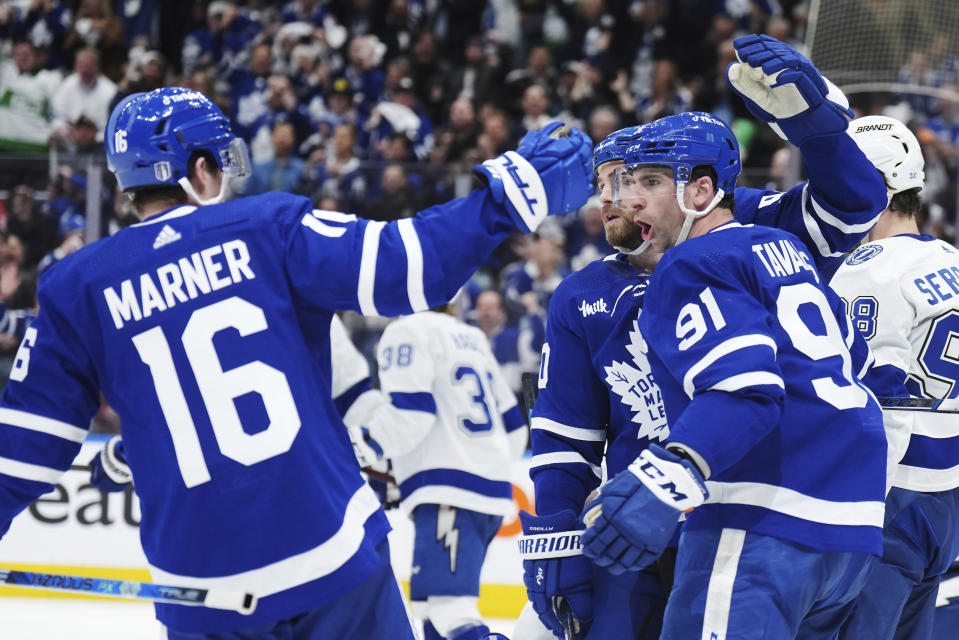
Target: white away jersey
463,426
902,293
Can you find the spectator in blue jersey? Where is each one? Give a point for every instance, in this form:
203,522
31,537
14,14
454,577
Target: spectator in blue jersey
207,329
284,171
338,174
281,106
72,229
221,42
749,350
599,403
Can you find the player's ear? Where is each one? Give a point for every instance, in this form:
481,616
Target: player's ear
702,190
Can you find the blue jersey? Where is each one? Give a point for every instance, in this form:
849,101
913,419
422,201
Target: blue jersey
595,382
750,350
207,330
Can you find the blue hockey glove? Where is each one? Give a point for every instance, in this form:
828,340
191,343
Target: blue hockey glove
635,515
782,87
554,569
546,175
109,470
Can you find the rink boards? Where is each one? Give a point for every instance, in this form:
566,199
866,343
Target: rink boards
78,530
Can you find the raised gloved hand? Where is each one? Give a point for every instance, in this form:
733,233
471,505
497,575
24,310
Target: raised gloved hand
636,514
554,569
782,87
546,175
109,470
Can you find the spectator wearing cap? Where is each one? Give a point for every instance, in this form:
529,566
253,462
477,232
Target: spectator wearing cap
25,220
284,170
328,110
221,43
24,115
85,92
146,71
72,228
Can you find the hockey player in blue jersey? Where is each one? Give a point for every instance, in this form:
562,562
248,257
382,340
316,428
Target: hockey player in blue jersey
901,290
749,349
596,387
206,327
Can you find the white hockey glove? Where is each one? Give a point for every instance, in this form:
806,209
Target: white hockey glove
782,87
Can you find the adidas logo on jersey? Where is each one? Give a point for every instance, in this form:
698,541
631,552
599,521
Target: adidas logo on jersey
589,309
166,236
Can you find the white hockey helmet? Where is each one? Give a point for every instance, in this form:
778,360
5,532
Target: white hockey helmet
892,148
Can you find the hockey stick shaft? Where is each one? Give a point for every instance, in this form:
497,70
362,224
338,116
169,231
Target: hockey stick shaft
237,601
915,404
530,382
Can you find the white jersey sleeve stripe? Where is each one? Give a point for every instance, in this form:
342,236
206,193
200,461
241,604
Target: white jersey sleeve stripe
334,216
42,424
27,471
367,282
795,504
414,262
815,233
576,433
564,457
301,568
836,223
723,349
748,379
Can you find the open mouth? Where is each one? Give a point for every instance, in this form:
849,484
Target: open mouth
647,230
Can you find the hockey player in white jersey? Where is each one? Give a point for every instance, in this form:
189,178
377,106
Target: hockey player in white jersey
452,453
902,292
206,326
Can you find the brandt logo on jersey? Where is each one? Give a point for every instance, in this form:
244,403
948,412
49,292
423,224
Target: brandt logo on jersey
166,236
588,309
864,253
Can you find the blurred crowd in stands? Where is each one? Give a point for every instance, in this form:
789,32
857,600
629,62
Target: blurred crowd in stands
380,107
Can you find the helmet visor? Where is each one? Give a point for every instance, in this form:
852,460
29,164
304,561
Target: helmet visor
235,159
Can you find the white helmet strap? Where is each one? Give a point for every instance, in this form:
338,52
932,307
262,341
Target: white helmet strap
692,214
184,182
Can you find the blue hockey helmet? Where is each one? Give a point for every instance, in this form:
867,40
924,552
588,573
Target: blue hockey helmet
682,142
151,136
613,147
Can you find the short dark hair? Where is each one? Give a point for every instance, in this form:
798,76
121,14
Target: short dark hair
170,193
906,203
728,201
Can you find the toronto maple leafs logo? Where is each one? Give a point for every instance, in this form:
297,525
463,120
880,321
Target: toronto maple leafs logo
633,383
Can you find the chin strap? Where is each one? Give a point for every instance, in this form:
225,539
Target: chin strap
185,184
692,214
633,252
